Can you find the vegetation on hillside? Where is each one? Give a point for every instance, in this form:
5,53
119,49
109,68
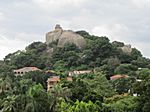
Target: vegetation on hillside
93,92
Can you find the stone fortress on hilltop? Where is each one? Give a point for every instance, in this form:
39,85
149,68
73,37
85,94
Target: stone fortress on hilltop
64,36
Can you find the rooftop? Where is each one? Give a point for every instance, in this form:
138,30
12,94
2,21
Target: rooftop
69,78
118,77
27,69
53,79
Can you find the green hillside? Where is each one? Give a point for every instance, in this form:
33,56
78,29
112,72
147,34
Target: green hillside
92,92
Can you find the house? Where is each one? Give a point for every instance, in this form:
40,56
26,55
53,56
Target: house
114,77
54,80
72,73
69,78
22,71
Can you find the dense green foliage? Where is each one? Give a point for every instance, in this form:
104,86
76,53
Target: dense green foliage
93,92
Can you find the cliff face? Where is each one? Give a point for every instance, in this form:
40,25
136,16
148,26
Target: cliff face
65,36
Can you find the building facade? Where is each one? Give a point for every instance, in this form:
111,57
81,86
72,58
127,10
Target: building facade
52,81
73,73
22,71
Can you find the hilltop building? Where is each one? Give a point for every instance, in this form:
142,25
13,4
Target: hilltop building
22,71
73,73
52,81
114,77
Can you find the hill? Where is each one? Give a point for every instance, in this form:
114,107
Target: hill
119,80
99,54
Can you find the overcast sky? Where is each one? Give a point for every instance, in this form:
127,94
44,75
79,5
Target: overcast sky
25,21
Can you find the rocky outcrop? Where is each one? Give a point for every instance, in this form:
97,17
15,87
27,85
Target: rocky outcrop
54,35
65,36
126,49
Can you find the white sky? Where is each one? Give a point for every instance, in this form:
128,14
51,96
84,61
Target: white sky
25,21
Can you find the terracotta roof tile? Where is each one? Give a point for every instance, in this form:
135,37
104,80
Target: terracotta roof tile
53,79
69,78
114,77
27,69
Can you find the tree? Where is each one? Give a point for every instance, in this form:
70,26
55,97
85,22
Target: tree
78,107
123,85
67,55
6,85
117,44
5,68
120,103
38,100
56,93
9,104
125,69
84,34
38,47
38,77
34,55
101,47
109,66
101,86
79,89
135,54
124,57
142,88
141,62
21,86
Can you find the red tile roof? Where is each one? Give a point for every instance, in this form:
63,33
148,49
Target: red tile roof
27,69
118,77
53,79
69,78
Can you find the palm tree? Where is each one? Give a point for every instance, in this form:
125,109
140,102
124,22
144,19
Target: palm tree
2,85
5,85
9,104
56,93
37,99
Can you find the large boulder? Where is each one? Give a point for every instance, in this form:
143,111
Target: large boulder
126,49
54,35
65,36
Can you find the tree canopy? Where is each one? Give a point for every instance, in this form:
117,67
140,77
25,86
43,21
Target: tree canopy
90,92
